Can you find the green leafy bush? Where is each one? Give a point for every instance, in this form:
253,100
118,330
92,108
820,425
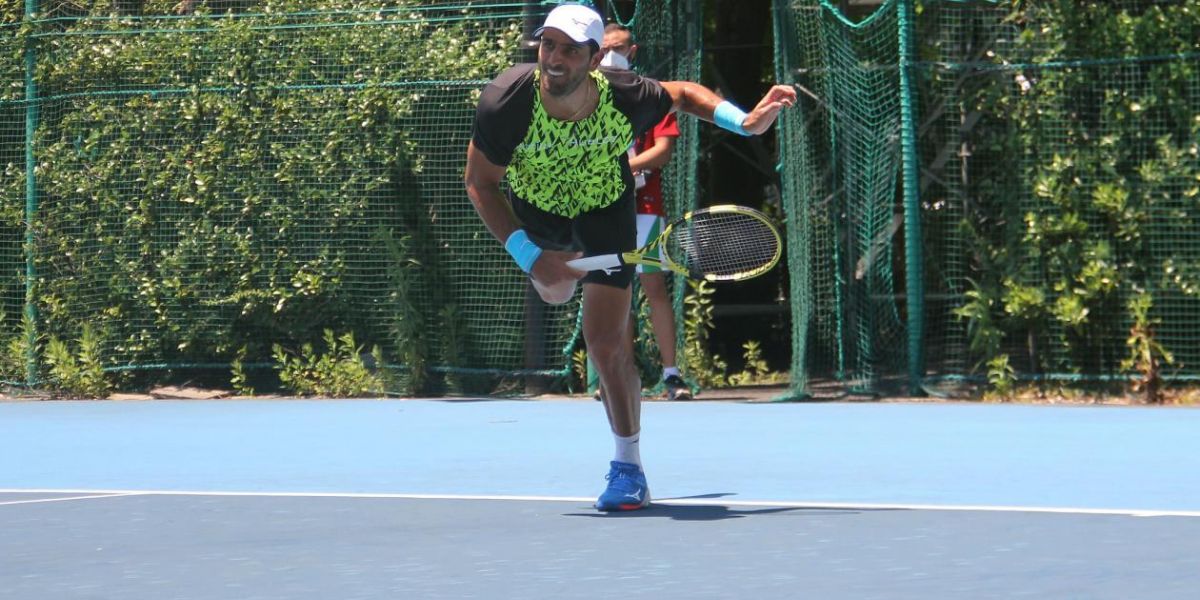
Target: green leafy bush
210,185
338,372
1147,356
78,372
1095,198
702,366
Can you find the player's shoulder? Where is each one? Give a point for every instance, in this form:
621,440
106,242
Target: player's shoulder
627,79
515,83
642,99
516,75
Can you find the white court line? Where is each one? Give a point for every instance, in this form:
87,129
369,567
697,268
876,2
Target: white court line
41,500
1130,512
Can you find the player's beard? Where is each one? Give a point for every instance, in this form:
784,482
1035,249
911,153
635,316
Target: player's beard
563,85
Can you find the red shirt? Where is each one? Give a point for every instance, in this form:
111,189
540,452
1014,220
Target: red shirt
650,196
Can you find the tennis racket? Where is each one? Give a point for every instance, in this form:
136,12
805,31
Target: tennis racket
718,243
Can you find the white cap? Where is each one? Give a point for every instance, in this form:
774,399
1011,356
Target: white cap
579,22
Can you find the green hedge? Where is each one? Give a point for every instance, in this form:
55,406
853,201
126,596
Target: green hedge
1084,182
209,184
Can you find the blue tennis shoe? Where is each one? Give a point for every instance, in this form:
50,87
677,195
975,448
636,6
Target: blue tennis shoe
627,489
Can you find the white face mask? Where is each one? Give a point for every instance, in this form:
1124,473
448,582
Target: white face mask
615,60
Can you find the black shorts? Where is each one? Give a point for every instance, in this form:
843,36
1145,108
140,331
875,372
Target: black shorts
608,230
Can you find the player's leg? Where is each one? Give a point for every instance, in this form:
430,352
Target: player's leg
606,323
593,381
607,331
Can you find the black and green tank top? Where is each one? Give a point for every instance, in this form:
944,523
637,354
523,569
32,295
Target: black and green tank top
566,167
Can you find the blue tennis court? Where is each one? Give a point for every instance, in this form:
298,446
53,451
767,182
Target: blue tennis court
491,499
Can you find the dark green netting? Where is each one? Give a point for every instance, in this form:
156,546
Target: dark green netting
1057,153
841,161
1060,150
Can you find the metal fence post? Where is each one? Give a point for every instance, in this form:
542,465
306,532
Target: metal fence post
31,121
914,268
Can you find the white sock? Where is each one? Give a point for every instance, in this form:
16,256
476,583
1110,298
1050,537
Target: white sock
669,371
628,449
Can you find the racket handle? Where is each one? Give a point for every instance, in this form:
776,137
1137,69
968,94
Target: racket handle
596,263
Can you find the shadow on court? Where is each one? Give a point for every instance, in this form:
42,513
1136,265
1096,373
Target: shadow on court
665,508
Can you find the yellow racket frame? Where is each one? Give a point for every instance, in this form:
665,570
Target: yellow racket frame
609,262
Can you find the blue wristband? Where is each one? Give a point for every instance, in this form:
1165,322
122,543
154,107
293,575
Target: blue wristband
522,249
729,117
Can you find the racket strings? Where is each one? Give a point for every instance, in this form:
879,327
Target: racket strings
724,244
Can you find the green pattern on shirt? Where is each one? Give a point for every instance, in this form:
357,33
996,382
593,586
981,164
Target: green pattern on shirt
571,167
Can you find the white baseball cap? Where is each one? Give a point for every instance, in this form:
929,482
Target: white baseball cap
579,22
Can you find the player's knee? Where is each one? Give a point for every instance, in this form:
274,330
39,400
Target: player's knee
604,343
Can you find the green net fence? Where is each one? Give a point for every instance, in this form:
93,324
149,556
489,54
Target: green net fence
214,179
1074,180
841,156
1057,191
12,160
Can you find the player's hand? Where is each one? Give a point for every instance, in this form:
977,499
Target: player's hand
551,268
763,116
554,281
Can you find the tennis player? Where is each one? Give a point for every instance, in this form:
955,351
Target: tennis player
558,130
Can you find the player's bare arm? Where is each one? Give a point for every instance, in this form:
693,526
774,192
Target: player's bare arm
695,99
482,178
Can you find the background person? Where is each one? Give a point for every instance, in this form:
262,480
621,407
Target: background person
650,154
